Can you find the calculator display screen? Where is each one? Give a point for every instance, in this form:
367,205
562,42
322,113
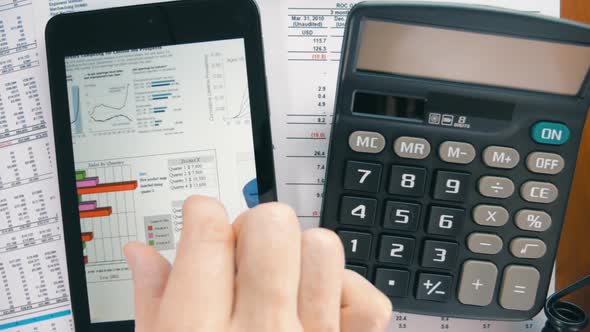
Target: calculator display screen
470,57
420,109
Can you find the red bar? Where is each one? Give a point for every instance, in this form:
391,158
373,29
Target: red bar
108,188
100,212
85,259
87,237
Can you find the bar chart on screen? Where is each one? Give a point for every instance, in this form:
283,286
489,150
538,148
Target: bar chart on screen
134,199
104,193
107,212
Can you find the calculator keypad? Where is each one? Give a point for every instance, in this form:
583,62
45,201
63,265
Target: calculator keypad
362,176
394,283
529,248
396,250
501,157
358,211
357,246
457,152
539,192
451,186
407,181
490,215
483,243
445,221
440,255
478,282
427,226
434,287
545,163
411,147
402,216
366,142
496,187
532,220
519,287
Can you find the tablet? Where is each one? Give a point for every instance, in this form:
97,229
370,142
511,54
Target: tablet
152,104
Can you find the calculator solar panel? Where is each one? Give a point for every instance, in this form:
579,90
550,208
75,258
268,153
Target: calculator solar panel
452,154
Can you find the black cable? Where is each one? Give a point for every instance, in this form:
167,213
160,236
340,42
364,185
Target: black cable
565,316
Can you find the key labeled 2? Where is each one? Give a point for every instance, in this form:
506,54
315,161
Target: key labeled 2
357,211
396,250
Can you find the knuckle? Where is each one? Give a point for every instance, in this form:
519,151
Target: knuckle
276,215
205,219
323,239
215,231
198,204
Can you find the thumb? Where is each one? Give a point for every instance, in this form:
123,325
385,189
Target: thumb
150,276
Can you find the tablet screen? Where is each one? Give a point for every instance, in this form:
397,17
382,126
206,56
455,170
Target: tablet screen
149,128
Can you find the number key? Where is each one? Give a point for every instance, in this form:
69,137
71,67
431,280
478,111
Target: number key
407,181
402,216
445,221
396,250
357,211
451,186
438,254
357,246
362,176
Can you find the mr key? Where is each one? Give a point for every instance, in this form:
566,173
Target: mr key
448,180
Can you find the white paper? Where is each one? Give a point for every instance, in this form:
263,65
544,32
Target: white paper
33,277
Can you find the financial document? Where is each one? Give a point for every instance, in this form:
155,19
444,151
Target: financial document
302,45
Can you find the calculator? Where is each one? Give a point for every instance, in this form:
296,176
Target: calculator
453,149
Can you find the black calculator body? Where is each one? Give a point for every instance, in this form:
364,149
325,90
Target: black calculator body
453,149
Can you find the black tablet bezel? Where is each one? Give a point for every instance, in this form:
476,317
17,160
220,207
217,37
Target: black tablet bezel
136,27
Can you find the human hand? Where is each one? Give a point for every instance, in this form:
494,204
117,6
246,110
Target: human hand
260,274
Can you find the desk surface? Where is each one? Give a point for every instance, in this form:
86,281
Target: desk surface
573,261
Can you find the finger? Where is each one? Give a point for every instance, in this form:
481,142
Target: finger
320,287
150,274
268,257
364,307
199,294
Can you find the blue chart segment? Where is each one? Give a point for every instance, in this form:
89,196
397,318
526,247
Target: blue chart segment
156,84
37,319
101,109
77,116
